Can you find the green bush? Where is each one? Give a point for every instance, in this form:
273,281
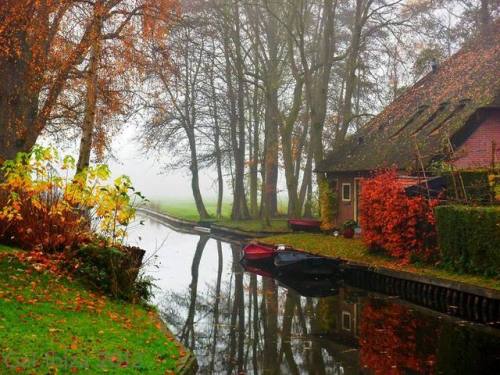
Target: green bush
469,238
113,270
475,184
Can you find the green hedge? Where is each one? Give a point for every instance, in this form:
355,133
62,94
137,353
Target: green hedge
469,238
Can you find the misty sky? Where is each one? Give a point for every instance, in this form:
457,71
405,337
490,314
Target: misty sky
148,175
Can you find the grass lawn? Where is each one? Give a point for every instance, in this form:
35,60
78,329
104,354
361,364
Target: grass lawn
187,210
277,225
49,324
355,250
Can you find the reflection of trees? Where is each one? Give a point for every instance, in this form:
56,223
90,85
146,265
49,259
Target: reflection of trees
243,323
231,333
216,306
291,302
269,311
187,332
237,327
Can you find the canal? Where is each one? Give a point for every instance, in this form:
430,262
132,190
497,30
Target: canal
239,322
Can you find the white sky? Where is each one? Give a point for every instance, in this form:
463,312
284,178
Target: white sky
150,178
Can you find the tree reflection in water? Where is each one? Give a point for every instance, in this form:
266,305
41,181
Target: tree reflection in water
240,323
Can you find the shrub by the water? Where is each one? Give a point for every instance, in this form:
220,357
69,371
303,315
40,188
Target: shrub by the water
113,270
46,209
469,238
402,226
51,212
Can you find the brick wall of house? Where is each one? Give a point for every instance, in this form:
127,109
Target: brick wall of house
345,207
476,152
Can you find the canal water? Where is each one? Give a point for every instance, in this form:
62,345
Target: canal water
239,322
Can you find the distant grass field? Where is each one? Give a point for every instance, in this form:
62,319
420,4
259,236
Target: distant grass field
186,209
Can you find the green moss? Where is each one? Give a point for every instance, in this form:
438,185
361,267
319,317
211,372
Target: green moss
52,325
355,250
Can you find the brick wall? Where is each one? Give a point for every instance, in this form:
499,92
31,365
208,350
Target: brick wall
476,152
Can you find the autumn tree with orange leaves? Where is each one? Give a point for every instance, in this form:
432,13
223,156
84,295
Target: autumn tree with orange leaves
48,45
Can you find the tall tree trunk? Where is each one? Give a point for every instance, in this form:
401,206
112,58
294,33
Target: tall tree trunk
306,182
195,179
240,206
289,154
271,157
218,153
350,70
90,100
18,103
254,163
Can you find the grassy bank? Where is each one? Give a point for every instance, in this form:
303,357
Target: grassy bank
277,225
49,324
186,210
355,250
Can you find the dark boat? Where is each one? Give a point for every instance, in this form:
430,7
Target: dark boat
299,262
257,251
304,225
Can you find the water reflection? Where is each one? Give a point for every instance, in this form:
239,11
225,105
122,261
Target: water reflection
239,322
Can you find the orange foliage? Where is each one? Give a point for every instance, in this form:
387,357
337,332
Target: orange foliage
393,341
43,211
43,48
403,226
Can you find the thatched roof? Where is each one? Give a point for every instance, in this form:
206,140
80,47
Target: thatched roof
443,105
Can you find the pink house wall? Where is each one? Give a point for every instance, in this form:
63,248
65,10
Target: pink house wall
476,152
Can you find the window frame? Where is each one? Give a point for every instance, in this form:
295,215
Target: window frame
349,316
344,184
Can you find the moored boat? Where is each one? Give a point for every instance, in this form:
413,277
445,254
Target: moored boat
305,225
258,251
300,262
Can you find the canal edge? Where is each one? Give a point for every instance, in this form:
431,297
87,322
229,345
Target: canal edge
216,229
186,365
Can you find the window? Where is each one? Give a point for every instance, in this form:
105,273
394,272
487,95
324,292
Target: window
346,321
346,192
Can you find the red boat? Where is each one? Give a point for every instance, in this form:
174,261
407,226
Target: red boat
304,225
257,251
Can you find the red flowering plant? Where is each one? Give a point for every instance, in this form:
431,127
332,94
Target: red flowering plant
392,221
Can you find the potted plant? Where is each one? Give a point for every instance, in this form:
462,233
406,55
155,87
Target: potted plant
348,228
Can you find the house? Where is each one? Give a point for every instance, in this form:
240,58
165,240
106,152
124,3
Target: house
452,114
